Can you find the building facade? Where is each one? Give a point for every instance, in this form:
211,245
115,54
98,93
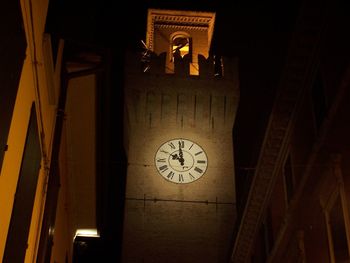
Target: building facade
297,206
48,139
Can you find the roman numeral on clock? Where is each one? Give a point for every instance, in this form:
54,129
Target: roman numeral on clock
198,170
170,175
181,178
172,146
191,176
182,143
163,168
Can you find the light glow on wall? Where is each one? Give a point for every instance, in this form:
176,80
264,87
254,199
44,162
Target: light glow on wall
88,232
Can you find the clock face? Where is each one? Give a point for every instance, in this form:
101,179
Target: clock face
181,161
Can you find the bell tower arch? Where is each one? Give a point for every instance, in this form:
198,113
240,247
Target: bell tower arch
166,26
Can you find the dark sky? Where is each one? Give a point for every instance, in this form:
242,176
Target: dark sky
239,24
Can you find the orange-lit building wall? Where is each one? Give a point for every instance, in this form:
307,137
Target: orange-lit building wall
34,87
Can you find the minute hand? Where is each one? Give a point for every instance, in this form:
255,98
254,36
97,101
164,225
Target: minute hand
181,158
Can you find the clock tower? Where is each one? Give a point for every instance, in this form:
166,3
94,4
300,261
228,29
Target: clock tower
179,114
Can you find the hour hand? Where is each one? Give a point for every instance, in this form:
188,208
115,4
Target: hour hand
181,158
174,156
180,150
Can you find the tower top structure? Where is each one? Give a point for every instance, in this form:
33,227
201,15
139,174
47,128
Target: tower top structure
180,32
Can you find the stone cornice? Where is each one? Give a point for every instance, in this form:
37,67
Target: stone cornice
299,66
181,27
181,19
195,20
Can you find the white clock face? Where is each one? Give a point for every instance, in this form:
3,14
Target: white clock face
181,161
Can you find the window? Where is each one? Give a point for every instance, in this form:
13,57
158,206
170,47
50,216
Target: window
181,45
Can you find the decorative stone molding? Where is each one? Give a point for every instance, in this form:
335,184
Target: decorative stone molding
181,27
180,20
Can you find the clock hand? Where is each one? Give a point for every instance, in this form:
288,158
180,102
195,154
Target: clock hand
181,158
174,156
